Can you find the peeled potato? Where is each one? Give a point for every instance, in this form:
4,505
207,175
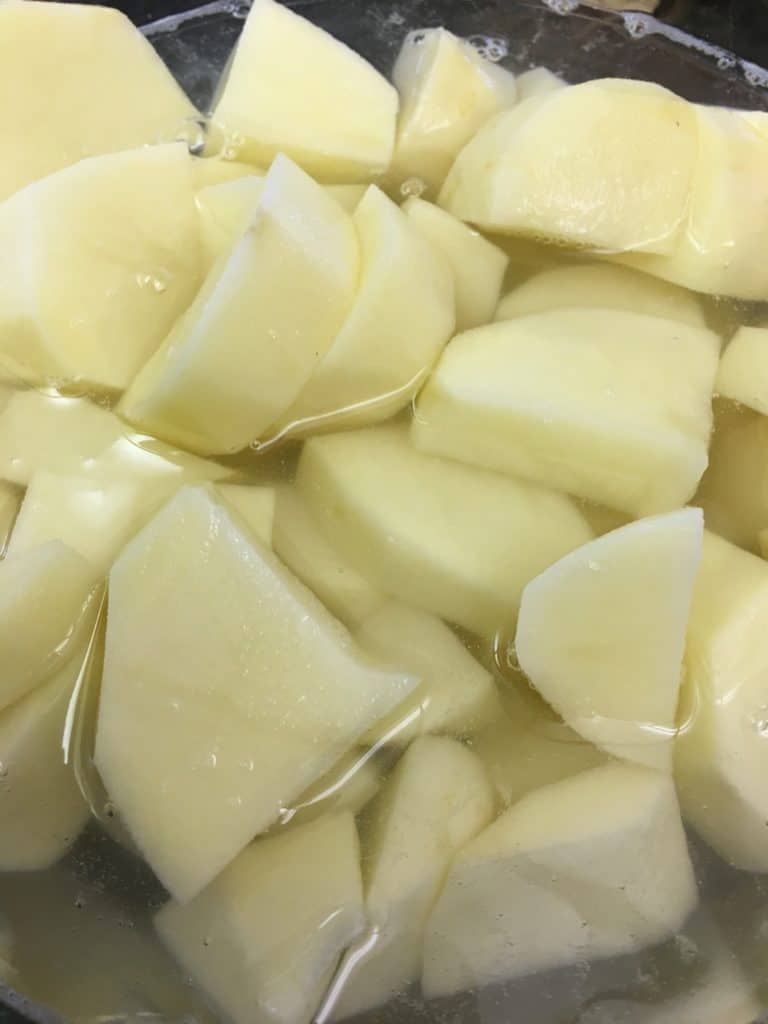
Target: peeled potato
478,267
437,799
593,866
536,82
721,755
626,426
255,505
584,627
263,939
246,347
743,372
447,538
606,166
234,682
96,263
116,93
447,91
337,118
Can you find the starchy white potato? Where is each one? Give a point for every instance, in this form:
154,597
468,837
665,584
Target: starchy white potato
255,505
743,372
537,81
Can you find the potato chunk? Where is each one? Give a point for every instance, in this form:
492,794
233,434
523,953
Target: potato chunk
743,372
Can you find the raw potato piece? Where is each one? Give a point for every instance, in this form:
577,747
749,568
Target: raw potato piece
536,82
447,538
600,286
249,342
594,866
234,682
436,801
10,499
456,694
255,505
721,757
601,634
402,316
116,94
743,372
336,119
264,938
627,426
96,263
41,808
606,165
478,267
44,595
299,541
447,91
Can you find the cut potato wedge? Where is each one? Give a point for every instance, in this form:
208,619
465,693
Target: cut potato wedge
402,316
447,91
41,808
600,286
299,541
96,263
743,372
626,426
233,680
246,347
337,119
255,506
447,538
583,634
721,755
478,267
44,596
537,82
436,801
606,166
593,866
263,940
117,94
456,694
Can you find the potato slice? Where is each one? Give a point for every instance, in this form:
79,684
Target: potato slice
255,506
337,119
436,801
116,94
721,756
299,541
627,426
439,535
44,596
593,866
236,684
447,91
41,808
478,267
600,286
606,165
96,263
263,940
537,82
583,634
743,372
247,345
719,252
456,695
402,316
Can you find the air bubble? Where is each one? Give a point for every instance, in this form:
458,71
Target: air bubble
562,6
194,133
412,187
492,48
157,283
724,63
636,25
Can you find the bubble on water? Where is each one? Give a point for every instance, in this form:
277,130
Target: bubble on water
80,901
562,6
756,76
193,132
725,62
636,25
109,809
492,48
239,9
3,770
417,37
156,282
412,187
593,566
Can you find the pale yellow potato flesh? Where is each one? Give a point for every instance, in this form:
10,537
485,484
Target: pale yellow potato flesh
96,263
721,755
10,500
439,535
337,119
116,94
264,938
601,634
244,349
593,866
348,786
604,166
196,587
402,316
447,92
742,374
255,505
478,266
536,82
627,426
437,799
